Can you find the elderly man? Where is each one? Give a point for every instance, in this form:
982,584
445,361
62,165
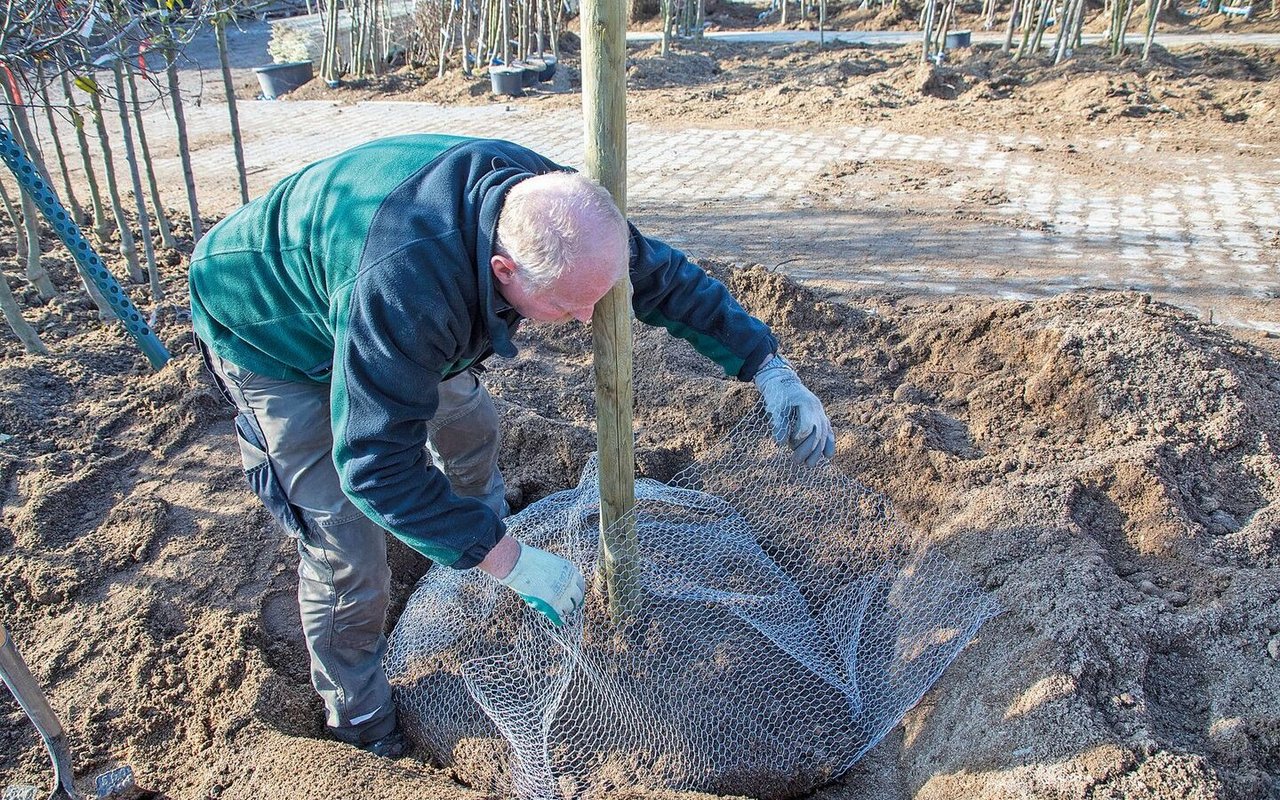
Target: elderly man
345,314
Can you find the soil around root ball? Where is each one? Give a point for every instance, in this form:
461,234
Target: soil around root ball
1105,464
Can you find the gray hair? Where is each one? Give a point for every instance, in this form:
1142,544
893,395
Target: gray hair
559,221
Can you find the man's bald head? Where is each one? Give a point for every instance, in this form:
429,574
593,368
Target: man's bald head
559,223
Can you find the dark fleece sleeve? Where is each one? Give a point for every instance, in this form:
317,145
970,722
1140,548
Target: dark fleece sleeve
675,294
398,342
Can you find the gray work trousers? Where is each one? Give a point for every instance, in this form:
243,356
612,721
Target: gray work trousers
286,442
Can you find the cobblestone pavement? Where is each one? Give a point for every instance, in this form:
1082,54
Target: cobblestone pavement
1206,239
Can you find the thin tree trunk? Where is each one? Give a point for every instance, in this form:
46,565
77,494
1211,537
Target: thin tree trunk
666,28
1014,6
930,9
506,33
556,21
184,147
1124,26
822,23
989,14
101,224
940,30
1029,25
17,323
482,21
15,219
1153,17
1042,24
43,94
37,275
329,61
237,145
21,127
135,178
128,248
153,188
1071,32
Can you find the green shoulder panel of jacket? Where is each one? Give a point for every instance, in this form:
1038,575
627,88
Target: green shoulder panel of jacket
263,278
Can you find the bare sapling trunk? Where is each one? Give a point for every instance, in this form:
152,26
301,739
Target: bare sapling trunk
21,328
229,86
666,27
1153,17
1042,24
930,9
17,323
21,128
1014,9
135,178
1071,31
464,46
1032,21
557,19
37,275
329,70
128,249
153,187
506,33
940,30
15,219
482,20
822,24
988,14
445,42
184,146
101,224
51,119
1129,6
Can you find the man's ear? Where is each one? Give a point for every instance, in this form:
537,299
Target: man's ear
504,269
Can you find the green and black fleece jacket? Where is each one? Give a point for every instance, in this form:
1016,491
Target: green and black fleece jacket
370,271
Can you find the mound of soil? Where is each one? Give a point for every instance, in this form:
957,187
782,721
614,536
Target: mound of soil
1105,464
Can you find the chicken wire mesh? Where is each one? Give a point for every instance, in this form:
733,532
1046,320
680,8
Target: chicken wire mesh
783,622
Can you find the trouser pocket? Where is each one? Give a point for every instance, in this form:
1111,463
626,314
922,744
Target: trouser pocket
262,477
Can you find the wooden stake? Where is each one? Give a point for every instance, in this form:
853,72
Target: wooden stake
604,24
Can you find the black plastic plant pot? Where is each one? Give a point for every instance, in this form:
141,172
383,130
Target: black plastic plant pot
548,71
957,39
278,79
531,71
506,80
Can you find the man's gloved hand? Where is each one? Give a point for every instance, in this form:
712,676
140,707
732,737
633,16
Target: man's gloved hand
550,584
797,414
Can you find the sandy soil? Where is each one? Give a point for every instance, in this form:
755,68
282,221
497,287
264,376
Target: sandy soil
1107,465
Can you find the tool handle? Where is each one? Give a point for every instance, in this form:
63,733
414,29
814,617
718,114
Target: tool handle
20,681
31,698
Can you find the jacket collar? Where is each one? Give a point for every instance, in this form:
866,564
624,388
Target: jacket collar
493,190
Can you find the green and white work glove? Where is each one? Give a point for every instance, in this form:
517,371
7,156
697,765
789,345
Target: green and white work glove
553,586
799,421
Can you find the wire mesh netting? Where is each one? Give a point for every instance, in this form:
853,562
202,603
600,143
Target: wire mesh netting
782,622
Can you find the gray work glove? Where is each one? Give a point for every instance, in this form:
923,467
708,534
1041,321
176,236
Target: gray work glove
553,586
799,420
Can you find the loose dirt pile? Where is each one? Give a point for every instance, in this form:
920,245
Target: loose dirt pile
1106,465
